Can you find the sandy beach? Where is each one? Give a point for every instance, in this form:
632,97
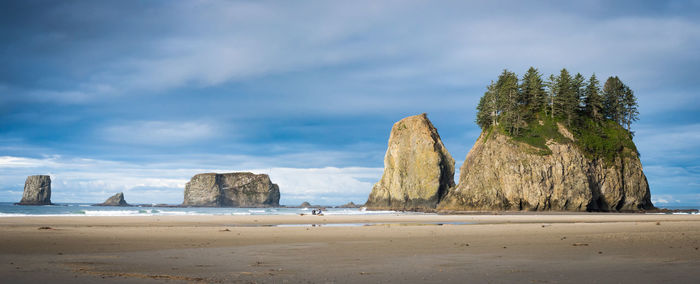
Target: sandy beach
503,248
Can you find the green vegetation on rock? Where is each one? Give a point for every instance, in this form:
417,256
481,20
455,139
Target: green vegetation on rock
532,110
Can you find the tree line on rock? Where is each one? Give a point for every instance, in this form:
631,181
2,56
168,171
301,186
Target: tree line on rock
529,109
513,103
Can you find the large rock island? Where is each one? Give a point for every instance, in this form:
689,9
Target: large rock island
37,191
418,170
502,174
566,145
241,189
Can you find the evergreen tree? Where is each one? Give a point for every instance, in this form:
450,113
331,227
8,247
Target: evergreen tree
534,97
483,117
613,93
486,114
511,104
630,112
579,91
552,91
508,94
593,102
565,100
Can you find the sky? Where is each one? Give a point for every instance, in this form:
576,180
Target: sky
138,96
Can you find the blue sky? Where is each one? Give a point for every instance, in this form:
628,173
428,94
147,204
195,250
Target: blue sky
138,96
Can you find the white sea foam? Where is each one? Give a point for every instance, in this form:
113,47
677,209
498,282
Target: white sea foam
112,212
10,210
147,212
359,212
13,215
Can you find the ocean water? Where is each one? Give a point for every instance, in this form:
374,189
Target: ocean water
8,209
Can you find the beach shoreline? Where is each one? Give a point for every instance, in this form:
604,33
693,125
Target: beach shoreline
406,248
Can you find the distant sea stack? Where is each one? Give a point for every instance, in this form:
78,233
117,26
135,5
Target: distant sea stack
502,174
115,200
37,191
306,204
418,170
231,190
350,205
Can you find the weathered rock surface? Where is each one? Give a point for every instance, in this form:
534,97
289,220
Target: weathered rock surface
115,200
418,170
231,190
500,174
37,191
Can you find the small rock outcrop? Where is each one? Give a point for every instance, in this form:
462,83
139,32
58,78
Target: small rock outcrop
37,191
350,205
231,190
306,204
115,200
501,174
418,170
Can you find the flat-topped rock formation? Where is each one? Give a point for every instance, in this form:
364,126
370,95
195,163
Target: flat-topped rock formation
240,189
501,174
115,200
37,191
418,170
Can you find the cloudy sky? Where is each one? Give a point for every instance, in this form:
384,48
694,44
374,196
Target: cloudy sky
138,96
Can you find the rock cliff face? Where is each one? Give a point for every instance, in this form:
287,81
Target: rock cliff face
115,200
231,190
418,170
37,191
500,174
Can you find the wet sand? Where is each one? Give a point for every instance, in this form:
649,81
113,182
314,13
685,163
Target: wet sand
504,248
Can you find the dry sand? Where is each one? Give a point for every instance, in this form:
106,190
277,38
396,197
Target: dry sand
522,248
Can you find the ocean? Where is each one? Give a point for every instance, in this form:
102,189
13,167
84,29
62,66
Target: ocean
9,209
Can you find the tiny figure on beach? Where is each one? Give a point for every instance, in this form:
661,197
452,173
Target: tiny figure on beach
319,212
313,212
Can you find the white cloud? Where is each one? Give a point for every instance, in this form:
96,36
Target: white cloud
159,132
675,200
21,162
672,143
411,42
336,185
89,180
659,200
451,50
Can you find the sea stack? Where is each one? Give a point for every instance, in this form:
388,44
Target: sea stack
418,170
115,200
502,174
350,205
306,204
37,191
231,190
